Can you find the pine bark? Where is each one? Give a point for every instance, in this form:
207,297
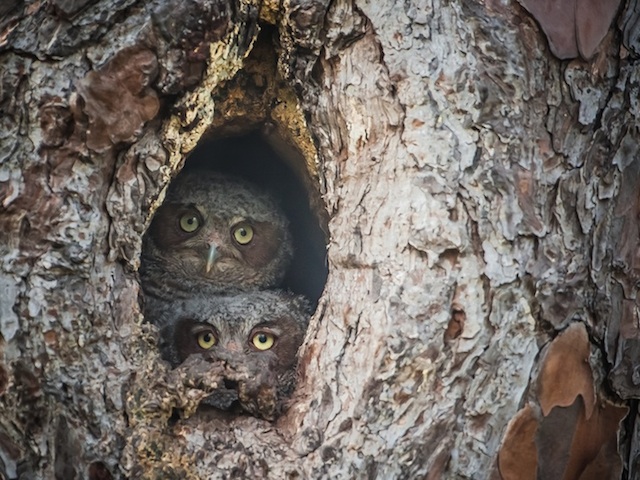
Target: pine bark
480,312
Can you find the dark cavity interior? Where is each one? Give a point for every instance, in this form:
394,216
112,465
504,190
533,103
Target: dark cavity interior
251,156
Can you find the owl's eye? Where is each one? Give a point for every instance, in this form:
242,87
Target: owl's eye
243,233
263,340
189,222
206,340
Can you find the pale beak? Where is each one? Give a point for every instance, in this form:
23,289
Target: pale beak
211,258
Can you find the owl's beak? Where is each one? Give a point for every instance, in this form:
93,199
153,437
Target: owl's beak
211,258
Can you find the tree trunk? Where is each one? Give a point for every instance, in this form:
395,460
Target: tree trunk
479,319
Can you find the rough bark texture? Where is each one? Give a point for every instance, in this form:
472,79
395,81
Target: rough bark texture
482,198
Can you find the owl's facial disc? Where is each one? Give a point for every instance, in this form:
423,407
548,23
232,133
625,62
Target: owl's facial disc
211,256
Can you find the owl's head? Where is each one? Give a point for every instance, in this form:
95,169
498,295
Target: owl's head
252,337
216,230
269,323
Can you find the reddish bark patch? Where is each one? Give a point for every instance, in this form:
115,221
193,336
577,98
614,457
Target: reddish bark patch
4,379
117,98
566,372
29,218
56,122
51,338
518,457
573,435
593,453
456,324
573,27
593,19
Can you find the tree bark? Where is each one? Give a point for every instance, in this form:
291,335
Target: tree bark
479,319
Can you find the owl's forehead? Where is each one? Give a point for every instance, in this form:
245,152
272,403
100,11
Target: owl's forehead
243,311
249,306
239,322
233,326
228,196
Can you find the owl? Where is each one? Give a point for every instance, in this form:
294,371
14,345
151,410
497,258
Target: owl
255,335
214,233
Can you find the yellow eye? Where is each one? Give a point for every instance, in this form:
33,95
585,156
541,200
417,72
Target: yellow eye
206,340
243,233
263,340
189,222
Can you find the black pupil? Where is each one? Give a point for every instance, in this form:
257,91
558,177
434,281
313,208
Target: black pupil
242,232
262,338
206,338
191,221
